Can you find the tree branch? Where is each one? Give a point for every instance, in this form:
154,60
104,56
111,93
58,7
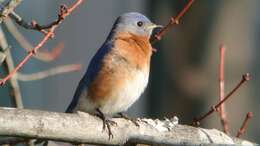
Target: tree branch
9,65
242,130
24,43
222,111
49,34
11,5
245,77
173,21
84,128
47,73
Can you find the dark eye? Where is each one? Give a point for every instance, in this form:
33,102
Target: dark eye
140,23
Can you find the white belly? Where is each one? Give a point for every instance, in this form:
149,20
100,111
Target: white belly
129,93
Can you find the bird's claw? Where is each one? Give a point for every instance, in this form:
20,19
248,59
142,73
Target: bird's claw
107,123
134,121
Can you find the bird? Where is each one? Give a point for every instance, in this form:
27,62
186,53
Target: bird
119,71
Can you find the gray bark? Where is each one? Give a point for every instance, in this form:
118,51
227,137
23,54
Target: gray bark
85,128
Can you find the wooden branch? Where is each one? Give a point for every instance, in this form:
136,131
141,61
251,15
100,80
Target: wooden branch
85,128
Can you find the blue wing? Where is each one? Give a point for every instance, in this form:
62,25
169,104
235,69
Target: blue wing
90,75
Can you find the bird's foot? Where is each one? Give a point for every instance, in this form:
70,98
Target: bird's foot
122,115
106,123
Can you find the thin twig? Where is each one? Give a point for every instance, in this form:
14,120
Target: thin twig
11,5
245,77
173,21
242,129
48,73
9,65
222,113
35,26
48,35
41,55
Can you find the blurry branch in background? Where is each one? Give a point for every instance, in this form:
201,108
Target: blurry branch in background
196,121
47,73
219,107
222,112
85,128
242,130
48,31
8,8
24,43
173,21
8,65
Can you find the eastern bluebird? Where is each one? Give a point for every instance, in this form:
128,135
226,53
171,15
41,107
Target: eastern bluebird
118,73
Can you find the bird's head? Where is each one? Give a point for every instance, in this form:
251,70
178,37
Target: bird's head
134,23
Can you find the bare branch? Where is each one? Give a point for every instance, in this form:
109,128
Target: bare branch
84,128
48,73
245,77
242,129
9,65
11,5
35,26
222,112
47,36
173,21
41,55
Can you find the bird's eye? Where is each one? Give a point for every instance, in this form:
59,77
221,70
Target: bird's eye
140,23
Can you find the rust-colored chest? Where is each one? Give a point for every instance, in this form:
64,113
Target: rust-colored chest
129,56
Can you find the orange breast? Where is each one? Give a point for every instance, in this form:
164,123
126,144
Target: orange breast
130,53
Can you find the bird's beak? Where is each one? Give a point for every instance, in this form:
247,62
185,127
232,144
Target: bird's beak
152,26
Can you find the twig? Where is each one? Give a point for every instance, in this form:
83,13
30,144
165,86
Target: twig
41,55
11,5
242,130
48,73
245,77
48,35
173,21
35,26
9,65
222,113
85,128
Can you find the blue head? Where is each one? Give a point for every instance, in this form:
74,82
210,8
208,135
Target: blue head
134,23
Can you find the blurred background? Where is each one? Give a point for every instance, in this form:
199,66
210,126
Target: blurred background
184,71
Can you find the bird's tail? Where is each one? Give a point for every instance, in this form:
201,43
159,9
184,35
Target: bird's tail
76,97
